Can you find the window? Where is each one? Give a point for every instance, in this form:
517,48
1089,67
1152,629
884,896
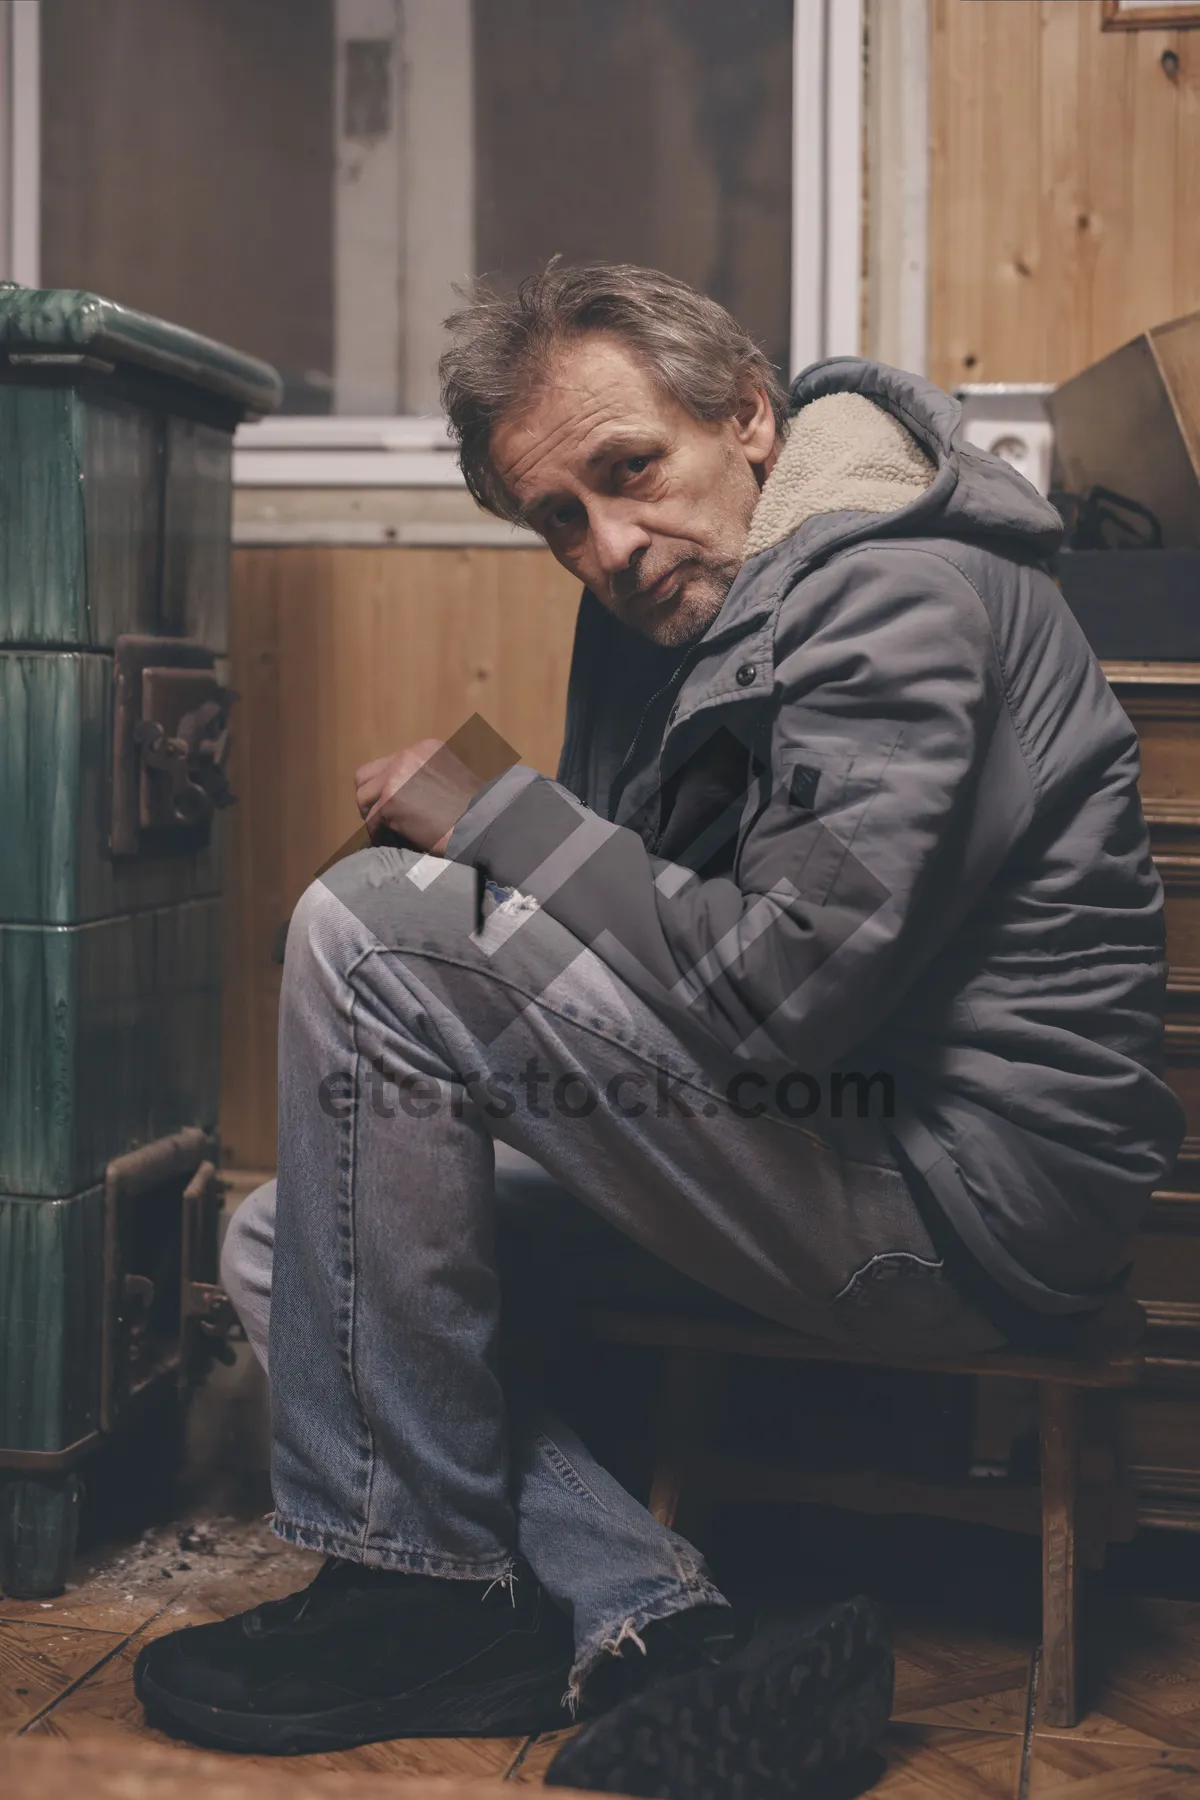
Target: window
647,131
307,178
187,170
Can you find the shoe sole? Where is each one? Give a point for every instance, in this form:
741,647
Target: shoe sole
795,1712
514,1707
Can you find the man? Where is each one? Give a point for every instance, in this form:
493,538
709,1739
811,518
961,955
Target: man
830,973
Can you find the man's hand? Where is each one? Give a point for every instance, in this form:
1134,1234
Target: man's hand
420,793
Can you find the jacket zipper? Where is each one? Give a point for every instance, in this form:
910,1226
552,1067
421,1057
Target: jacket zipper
678,679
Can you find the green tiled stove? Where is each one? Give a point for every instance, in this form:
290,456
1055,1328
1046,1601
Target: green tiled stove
115,468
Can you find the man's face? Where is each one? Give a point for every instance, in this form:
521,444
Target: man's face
648,506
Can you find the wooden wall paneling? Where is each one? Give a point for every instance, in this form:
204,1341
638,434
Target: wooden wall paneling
1012,301
1064,186
1105,195
342,654
957,134
1187,247
1066,248
1155,226
254,872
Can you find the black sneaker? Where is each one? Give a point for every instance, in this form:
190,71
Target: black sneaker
794,1710
362,1654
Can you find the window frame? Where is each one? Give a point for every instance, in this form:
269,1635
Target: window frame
404,450
20,142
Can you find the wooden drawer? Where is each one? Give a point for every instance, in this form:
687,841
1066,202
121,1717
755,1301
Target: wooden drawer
1170,783
1173,1206
1158,1445
1182,906
1160,1431
1157,1428
1182,1075
1166,1279
1163,703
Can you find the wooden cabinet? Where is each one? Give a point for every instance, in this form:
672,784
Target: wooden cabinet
1159,1426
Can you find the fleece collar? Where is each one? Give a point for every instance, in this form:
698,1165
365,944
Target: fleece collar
844,453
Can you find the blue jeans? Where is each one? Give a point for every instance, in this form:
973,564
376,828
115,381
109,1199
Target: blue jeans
425,1058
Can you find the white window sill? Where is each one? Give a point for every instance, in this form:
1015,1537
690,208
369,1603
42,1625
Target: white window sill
344,452
414,534
384,482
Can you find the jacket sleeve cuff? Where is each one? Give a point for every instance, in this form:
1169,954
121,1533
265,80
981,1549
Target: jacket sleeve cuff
525,831
488,806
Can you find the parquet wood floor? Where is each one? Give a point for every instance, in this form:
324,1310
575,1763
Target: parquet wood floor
965,1726
40,1769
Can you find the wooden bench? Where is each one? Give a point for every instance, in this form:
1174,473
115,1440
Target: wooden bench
1076,1521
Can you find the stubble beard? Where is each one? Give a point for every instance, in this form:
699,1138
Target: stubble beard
689,617
709,577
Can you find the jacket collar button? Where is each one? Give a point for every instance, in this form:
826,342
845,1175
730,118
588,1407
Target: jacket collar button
746,675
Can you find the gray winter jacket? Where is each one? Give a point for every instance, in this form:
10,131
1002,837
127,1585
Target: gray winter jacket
884,814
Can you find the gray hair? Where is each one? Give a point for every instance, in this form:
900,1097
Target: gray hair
502,344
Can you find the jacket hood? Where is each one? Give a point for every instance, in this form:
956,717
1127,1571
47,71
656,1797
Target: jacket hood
870,440
873,453
844,453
